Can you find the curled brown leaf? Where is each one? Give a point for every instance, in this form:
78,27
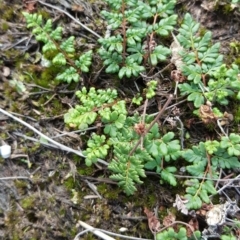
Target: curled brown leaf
153,223
206,114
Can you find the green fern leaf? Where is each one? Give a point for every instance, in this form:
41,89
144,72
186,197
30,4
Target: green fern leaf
68,45
194,202
59,59
166,174
69,75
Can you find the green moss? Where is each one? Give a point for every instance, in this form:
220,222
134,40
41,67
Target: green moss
32,149
151,200
76,159
202,31
237,61
236,113
21,186
143,226
73,232
2,160
47,76
44,13
102,188
28,202
108,191
44,77
70,183
227,9
12,54
89,236
29,75
57,107
16,106
84,170
8,13
62,211
4,27
3,135
51,199
12,217
15,236
235,47
86,217
40,102
106,213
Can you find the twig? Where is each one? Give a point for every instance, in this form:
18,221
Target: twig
175,90
228,184
139,218
181,131
226,177
220,174
94,230
175,104
61,146
35,140
136,86
69,15
99,179
20,115
15,44
156,74
49,100
93,188
220,126
143,120
237,189
124,31
22,156
77,131
14,178
170,97
205,178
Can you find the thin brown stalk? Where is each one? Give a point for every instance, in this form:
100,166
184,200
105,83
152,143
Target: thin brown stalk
170,97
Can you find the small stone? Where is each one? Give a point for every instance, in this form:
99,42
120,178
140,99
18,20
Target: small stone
5,151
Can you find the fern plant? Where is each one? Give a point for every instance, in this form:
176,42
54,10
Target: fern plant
208,79
209,82
91,101
206,159
96,149
155,150
134,27
57,51
121,134
134,143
